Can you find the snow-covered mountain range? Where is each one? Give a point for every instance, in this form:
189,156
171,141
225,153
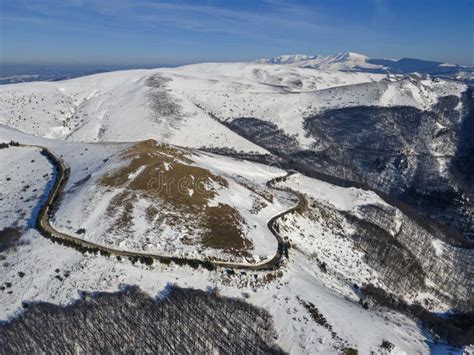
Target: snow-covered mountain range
341,61
351,61
377,161
347,61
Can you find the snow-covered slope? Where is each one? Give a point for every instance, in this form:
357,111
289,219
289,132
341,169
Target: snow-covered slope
288,111
141,104
119,106
25,175
330,233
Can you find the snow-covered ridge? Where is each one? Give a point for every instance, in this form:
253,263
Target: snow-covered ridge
168,104
350,61
141,104
339,61
286,59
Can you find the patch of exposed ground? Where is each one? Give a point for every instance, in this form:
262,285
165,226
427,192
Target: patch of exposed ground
9,237
165,107
319,318
258,205
183,321
178,194
162,103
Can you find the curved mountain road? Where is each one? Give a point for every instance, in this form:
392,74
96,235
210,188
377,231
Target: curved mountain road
62,173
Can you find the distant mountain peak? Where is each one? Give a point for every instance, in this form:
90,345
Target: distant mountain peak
351,55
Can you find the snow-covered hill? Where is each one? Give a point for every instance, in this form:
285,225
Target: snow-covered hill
162,199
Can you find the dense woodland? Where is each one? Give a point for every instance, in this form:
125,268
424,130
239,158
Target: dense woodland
181,321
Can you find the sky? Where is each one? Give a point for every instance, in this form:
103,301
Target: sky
121,32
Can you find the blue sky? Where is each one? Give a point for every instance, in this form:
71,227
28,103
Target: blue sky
176,32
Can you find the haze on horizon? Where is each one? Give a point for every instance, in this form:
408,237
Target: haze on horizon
126,32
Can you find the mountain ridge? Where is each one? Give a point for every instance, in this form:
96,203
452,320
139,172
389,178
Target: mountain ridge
351,61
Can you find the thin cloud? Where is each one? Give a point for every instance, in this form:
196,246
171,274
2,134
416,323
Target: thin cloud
184,16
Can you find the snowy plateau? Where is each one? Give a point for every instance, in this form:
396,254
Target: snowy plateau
331,193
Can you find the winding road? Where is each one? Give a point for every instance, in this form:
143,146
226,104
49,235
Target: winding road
61,176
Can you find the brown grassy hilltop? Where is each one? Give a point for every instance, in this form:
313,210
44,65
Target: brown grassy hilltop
179,194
